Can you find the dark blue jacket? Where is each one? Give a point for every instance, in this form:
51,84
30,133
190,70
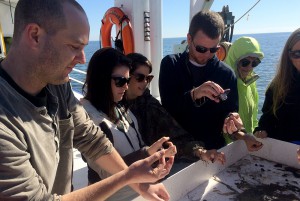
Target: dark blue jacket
205,123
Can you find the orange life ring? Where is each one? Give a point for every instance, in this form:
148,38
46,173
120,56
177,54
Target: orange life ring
115,16
223,50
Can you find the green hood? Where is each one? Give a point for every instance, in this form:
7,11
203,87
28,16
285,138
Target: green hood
242,48
248,95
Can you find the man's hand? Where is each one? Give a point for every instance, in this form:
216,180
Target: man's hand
170,149
298,152
232,123
142,173
208,89
154,192
251,143
261,134
210,155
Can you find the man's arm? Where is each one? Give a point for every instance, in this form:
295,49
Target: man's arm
233,125
139,172
113,163
250,141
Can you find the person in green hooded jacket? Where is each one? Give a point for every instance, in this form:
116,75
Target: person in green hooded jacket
244,55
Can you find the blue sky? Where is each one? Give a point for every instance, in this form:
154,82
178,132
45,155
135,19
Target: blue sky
268,16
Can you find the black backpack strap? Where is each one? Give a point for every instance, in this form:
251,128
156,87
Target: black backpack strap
107,131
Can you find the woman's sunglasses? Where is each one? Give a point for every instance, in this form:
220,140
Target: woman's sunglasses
202,49
295,54
120,81
141,77
245,62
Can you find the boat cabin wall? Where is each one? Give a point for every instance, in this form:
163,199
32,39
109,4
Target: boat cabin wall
6,18
198,5
6,25
139,13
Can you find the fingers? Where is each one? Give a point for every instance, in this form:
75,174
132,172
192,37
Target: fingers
232,123
210,90
254,145
169,165
261,134
235,115
167,144
237,121
229,126
163,168
157,145
221,158
217,88
164,196
161,194
232,127
156,157
164,143
163,139
156,192
172,150
213,155
298,152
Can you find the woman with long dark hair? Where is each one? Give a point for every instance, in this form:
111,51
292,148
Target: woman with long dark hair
106,82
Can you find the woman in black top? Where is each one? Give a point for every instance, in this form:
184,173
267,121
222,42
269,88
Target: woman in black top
281,109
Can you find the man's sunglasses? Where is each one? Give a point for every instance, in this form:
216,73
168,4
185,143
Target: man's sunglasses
295,54
120,81
141,77
202,49
245,62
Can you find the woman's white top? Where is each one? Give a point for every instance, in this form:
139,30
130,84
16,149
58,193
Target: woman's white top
121,142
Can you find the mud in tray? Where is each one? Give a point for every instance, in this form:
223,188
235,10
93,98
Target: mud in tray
251,178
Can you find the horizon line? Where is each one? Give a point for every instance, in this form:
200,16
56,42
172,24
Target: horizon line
233,34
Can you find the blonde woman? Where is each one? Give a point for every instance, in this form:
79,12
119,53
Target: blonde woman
281,109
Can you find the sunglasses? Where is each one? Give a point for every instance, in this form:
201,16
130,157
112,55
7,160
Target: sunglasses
120,81
141,77
245,62
202,49
295,54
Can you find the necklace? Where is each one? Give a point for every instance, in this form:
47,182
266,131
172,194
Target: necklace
123,117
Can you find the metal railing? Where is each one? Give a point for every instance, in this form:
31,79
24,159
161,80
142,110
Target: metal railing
76,80
76,83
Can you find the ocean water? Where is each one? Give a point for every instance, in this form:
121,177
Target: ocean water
271,44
